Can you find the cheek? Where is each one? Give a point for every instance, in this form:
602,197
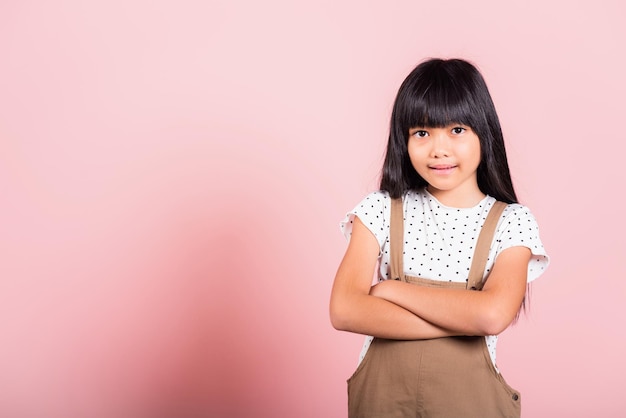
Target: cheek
474,154
417,161
416,152
471,152
478,155
414,155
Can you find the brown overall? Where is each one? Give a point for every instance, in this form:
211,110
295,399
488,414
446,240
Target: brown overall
451,377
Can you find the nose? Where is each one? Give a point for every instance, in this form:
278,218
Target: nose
440,145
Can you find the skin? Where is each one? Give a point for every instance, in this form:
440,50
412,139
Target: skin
447,158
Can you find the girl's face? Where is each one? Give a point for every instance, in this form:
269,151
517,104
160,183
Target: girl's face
447,158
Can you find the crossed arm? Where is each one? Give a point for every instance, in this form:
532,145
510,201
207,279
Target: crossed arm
398,310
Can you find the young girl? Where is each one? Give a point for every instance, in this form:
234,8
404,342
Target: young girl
458,250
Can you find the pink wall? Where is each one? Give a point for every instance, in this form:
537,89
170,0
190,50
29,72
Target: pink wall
172,175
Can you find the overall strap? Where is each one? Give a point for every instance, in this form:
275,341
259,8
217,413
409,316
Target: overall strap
396,240
481,252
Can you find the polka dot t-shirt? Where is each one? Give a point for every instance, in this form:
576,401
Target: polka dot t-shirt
439,240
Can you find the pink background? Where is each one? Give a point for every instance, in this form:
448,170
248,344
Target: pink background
172,175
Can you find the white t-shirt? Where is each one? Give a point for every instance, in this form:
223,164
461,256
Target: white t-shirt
439,240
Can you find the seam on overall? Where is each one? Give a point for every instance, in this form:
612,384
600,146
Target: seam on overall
493,372
419,400
363,362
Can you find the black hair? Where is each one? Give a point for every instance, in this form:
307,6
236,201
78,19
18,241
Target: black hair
435,94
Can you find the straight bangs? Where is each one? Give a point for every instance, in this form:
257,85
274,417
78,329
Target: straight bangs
437,105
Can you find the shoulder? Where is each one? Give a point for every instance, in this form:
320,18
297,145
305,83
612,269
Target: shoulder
518,227
373,211
516,215
374,201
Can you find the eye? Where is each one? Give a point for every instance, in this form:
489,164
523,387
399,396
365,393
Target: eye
457,130
419,133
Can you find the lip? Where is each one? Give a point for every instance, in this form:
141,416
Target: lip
443,168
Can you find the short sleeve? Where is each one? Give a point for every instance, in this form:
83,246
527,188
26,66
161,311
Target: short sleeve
520,228
374,212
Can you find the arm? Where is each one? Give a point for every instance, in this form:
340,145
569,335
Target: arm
352,308
486,312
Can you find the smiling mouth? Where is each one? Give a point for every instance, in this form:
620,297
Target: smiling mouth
443,170
442,167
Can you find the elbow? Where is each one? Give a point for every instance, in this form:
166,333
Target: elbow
337,320
493,322
338,323
339,316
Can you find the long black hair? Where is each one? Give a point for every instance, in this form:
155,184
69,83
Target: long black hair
436,94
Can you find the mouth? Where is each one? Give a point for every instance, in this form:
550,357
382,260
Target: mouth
442,169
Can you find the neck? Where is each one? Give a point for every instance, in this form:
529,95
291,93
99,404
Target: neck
456,198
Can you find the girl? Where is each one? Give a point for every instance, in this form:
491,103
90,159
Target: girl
447,228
